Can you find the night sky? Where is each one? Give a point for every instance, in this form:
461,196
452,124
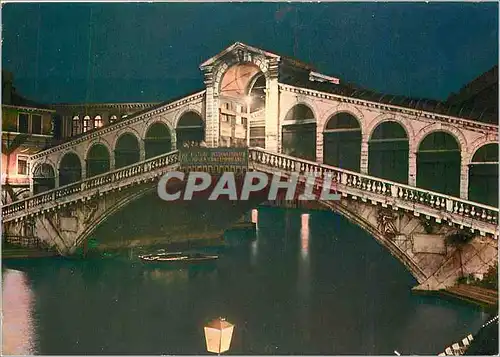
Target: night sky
128,52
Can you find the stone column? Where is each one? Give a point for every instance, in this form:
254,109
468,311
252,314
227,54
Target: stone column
412,168
211,110
272,108
464,178
363,165
173,137
319,141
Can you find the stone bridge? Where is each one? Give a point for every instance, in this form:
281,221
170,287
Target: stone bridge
411,172
411,223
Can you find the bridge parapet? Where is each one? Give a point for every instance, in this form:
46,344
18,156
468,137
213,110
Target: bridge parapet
421,202
85,189
455,211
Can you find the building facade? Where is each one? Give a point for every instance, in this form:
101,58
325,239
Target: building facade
27,128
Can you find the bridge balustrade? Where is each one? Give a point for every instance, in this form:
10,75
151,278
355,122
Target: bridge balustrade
405,193
102,180
402,196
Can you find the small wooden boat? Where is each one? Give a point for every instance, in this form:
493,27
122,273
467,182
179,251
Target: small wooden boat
178,258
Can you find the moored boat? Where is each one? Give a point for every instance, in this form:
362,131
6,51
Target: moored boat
178,258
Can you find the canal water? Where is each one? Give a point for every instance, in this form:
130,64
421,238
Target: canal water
309,283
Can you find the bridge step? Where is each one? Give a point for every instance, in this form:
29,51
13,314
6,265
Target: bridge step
471,293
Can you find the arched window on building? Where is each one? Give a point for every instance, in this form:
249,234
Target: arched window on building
86,123
98,122
76,125
112,119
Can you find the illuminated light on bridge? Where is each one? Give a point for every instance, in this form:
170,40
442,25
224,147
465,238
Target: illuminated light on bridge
17,301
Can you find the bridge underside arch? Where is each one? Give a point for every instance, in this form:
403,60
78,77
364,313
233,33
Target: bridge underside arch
483,175
342,142
98,160
190,130
70,169
158,140
438,164
127,151
388,150
44,178
298,135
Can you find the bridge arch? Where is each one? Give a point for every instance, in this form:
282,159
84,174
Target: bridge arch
97,159
388,149
456,133
439,163
126,149
342,134
70,168
405,124
190,127
298,132
44,177
157,139
483,175
221,71
386,242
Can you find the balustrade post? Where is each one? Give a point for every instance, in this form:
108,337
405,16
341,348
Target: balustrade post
394,190
343,178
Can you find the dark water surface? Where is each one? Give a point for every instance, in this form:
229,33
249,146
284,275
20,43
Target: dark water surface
311,283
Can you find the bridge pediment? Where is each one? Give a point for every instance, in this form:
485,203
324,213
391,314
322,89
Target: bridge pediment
238,52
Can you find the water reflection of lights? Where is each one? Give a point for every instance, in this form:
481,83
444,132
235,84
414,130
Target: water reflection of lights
18,329
304,235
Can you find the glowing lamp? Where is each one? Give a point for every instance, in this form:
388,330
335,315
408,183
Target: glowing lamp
218,334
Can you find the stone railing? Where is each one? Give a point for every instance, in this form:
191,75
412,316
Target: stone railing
403,196
20,208
420,201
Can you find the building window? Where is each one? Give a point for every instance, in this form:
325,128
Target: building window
22,123
97,122
113,119
86,123
22,165
76,125
36,124
124,116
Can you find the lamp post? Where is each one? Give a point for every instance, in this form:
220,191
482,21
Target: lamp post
248,101
218,334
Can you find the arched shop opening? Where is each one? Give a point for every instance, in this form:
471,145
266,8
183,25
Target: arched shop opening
44,178
190,129
342,142
70,169
483,175
97,160
158,140
242,106
127,150
438,164
298,133
388,150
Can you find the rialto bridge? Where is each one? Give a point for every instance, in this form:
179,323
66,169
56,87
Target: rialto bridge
412,172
